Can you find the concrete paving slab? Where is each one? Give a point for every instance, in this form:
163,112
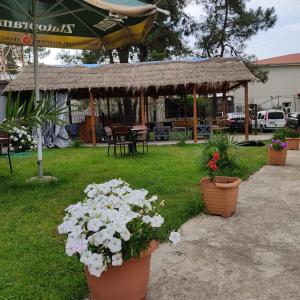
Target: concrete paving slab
238,137
255,254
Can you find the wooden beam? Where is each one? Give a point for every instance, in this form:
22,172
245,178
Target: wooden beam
195,115
142,106
93,123
235,86
246,124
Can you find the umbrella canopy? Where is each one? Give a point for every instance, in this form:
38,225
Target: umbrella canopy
75,24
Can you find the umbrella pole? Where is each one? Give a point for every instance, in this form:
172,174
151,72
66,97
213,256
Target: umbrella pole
37,91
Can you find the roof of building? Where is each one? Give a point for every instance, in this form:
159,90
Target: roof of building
290,59
155,78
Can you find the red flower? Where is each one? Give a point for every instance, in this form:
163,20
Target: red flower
216,156
212,165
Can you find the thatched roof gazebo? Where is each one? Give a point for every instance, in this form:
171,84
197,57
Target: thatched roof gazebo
200,76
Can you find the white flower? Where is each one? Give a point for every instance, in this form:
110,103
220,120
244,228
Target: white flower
99,238
20,147
16,139
146,219
117,260
174,237
153,199
22,141
76,245
114,245
125,235
94,224
96,270
20,135
157,221
11,137
85,257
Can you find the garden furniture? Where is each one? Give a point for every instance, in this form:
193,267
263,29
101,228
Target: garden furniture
203,131
140,136
123,137
162,133
4,142
179,133
109,138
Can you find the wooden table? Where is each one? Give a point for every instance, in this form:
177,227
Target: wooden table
135,131
5,142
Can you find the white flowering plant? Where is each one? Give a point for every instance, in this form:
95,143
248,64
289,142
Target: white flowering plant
113,224
21,140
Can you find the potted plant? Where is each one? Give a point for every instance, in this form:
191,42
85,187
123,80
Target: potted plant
292,139
277,152
219,193
113,232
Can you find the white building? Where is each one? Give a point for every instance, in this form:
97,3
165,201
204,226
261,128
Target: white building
281,90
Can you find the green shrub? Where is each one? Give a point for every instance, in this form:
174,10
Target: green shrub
280,134
291,133
182,141
227,147
76,143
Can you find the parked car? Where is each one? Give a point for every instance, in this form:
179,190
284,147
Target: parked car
293,120
236,122
271,119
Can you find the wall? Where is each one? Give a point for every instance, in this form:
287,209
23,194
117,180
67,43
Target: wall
283,86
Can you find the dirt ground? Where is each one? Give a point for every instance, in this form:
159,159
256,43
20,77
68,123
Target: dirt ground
255,254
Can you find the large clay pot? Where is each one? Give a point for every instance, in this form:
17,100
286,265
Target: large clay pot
293,143
277,158
127,282
220,197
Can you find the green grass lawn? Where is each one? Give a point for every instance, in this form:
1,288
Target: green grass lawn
32,260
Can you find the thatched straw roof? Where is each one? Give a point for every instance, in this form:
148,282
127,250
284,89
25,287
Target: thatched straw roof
154,78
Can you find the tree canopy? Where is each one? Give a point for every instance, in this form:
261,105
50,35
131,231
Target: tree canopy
228,25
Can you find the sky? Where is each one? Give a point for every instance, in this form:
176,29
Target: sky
283,38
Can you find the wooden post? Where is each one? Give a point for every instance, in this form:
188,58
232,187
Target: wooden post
147,109
195,115
246,124
93,123
142,104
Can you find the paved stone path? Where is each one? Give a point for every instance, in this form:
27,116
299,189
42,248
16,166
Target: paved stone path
240,138
255,254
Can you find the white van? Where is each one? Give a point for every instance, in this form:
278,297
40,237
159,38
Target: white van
271,119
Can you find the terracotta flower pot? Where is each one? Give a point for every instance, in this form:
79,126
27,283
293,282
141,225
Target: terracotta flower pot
293,143
220,197
127,282
277,158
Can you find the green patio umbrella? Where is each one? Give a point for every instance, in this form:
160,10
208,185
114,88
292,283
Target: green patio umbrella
73,24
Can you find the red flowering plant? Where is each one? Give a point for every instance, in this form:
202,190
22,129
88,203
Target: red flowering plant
212,165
